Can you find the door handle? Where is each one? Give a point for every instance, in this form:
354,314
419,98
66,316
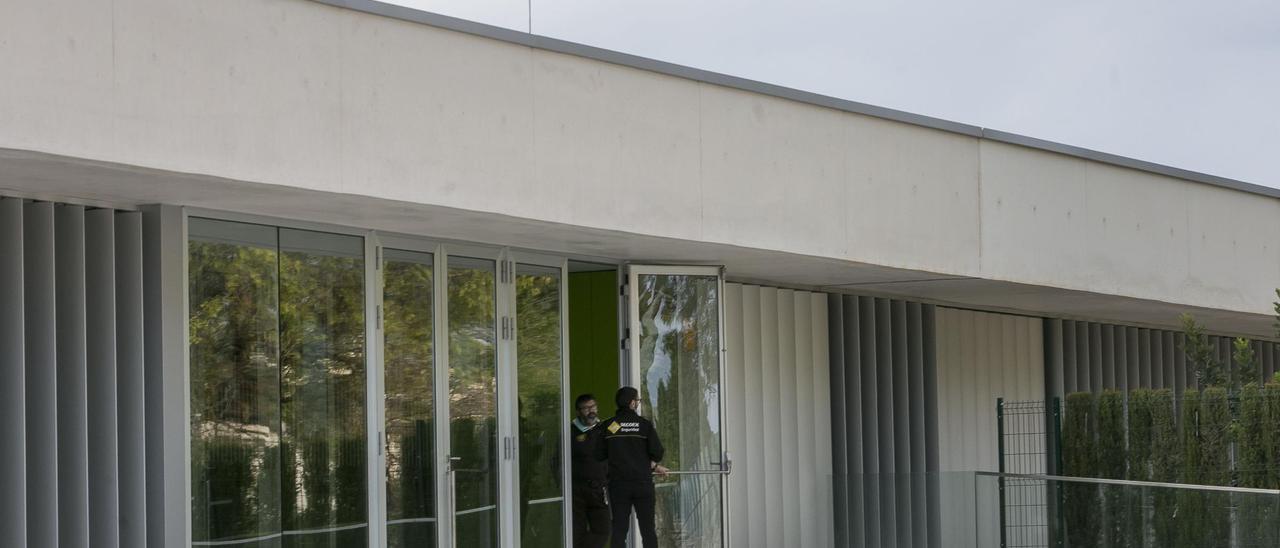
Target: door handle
726,465
450,463
722,468
721,472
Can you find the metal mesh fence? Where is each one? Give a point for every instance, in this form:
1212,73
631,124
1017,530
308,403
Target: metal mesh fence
1027,434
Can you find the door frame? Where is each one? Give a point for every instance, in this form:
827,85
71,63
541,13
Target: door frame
375,242
630,374
377,383
509,389
444,477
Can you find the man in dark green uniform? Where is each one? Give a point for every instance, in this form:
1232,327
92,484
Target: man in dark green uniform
590,477
631,445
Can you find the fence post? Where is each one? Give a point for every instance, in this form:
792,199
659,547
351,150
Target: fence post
1000,467
1055,421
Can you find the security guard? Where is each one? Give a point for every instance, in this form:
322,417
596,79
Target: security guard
631,445
590,476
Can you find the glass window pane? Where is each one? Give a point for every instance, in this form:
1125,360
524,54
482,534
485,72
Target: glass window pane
322,389
679,322
409,366
235,383
473,427
539,380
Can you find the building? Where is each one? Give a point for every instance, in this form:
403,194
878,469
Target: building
255,251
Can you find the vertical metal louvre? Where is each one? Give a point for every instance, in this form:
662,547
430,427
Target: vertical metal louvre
100,316
870,413
132,414
42,379
71,378
776,359
735,376
73,397
13,467
774,500
884,422
1135,357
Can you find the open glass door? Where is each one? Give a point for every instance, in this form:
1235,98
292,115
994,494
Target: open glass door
676,361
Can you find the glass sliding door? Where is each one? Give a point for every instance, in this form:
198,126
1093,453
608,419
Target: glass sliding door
322,390
234,353
473,405
675,362
429,410
408,355
278,386
541,420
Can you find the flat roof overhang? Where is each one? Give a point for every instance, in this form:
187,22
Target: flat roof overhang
43,176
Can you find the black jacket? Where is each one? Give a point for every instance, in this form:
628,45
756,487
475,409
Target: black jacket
629,442
585,466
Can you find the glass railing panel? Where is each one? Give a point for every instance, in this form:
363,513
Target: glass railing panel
949,509
1051,511
688,509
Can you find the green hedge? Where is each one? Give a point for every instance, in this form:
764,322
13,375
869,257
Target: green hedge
1252,440
1271,432
1166,465
1079,458
1138,465
1111,463
1206,520
1258,433
1157,438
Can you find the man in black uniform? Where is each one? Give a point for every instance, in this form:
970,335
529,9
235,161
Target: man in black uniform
590,476
631,445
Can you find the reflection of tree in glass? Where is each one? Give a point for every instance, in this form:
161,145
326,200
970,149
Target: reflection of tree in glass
473,399
234,391
322,396
538,350
408,373
680,370
277,389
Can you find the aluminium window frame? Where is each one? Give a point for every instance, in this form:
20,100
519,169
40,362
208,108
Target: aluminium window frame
171,219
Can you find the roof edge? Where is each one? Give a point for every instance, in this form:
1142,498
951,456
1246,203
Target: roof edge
700,75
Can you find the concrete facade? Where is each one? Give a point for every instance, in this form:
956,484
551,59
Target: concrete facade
262,103
842,226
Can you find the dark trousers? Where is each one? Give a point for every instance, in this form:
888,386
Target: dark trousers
625,495
590,515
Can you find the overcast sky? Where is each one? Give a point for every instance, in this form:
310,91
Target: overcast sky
1191,84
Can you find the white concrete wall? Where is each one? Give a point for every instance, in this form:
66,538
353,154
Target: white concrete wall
1084,225
309,96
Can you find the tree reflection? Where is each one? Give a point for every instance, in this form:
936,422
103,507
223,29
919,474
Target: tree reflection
277,386
538,358
680,369
409,382
473,398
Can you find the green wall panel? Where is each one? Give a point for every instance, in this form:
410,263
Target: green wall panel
593,337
